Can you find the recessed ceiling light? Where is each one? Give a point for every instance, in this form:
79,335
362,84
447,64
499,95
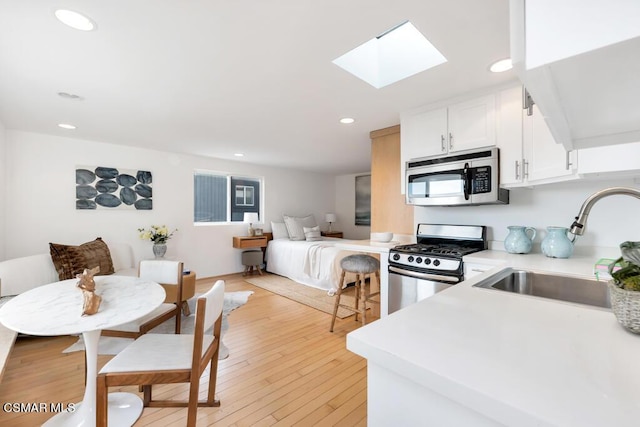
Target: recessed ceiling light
501,66
347,120
66,126
239,155
71,96
75,20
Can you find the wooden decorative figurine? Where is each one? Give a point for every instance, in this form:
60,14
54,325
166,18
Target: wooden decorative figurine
88,285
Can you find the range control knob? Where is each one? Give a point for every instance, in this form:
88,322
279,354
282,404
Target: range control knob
396,257
436,262
427,261
410,259
419,260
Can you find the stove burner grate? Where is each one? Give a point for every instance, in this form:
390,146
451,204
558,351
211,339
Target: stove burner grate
428,249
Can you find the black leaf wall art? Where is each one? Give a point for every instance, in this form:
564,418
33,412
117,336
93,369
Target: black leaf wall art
100,187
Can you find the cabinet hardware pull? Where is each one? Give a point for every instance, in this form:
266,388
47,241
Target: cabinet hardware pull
525,169
517,169
450,141
442,143
568,163
527,101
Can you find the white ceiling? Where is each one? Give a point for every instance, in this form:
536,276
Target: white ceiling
216,77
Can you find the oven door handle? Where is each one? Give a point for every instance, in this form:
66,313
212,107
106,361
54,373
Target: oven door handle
425,276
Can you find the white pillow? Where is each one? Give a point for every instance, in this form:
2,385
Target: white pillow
312,233
295,225
279,230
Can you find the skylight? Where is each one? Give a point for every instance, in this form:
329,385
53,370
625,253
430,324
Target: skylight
392,56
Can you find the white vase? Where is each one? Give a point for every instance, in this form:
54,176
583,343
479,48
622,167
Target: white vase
159,249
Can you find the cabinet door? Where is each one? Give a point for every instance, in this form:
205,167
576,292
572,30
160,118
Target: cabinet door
472,269
545,158
472,124
421,134
509,135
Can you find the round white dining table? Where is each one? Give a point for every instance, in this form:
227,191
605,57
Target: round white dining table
56,309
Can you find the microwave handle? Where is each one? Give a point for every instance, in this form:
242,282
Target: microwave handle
467,181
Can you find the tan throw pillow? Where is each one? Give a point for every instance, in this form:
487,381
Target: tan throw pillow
312,233
71,260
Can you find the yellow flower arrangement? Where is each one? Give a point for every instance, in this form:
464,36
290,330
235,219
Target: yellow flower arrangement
156,233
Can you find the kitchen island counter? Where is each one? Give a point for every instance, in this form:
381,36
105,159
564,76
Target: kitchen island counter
472,356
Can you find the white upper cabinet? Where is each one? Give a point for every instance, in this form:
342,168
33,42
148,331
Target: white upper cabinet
423,134
509,135
543,157
579,59
458,127
529,154
621,160
472,124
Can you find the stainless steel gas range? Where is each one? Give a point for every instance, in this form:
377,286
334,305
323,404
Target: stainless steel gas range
433,263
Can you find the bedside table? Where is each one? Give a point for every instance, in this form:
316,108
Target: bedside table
252,260
243,242
337,234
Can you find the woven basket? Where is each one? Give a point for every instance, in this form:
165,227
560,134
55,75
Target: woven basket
626,307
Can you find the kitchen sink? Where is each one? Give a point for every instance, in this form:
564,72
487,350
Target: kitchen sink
551,286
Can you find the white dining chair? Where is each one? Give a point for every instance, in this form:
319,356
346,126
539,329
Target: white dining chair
168,273
167,359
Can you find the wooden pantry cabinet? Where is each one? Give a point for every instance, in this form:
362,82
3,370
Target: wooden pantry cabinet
389,212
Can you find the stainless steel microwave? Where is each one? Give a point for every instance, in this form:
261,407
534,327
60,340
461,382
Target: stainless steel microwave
463,178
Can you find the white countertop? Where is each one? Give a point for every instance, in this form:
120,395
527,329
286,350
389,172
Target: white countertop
580,264
366,245
518,359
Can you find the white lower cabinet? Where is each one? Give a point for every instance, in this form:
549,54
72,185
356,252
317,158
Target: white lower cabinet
528,153
473,269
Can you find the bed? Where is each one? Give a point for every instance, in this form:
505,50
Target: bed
311,263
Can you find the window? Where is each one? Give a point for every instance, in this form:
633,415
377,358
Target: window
224,198
244,195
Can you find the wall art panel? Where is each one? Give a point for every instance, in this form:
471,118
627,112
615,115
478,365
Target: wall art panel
101,187
363,200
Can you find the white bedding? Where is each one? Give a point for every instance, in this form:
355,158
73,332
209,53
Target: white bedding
315,264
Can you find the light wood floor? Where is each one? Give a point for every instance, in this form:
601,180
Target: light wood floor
284,368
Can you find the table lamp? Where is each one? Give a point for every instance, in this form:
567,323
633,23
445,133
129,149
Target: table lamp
251,218
330,218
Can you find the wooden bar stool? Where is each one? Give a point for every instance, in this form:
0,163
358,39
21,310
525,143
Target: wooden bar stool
361,265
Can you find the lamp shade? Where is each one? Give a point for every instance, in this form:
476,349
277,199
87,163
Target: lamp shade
251,217
330,217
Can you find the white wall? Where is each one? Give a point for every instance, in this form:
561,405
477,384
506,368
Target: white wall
3,196
345,209
40,184
612,221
